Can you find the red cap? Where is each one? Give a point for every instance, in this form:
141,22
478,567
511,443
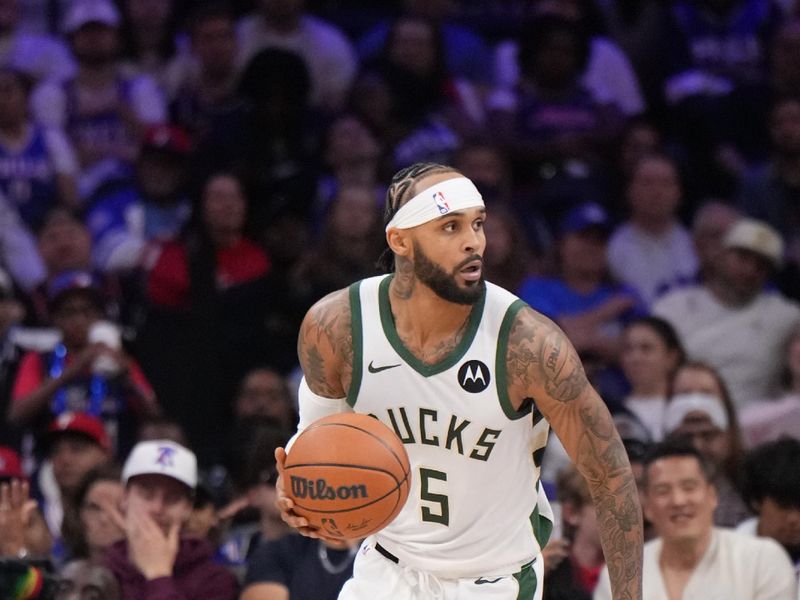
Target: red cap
167,138
10,466
84,424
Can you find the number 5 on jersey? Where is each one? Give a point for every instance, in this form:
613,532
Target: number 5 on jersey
431,514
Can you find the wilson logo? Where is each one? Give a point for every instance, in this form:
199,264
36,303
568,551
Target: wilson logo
318,489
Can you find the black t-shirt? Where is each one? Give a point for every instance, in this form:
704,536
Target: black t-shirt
294,561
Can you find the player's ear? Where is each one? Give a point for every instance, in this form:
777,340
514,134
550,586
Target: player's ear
399,241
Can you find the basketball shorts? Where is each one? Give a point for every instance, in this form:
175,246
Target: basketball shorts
377,575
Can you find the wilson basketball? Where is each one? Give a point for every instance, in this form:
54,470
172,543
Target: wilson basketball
348,474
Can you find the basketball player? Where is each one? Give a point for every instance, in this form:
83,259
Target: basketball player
469,377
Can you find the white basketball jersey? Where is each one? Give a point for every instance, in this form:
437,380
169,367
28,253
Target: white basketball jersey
476,507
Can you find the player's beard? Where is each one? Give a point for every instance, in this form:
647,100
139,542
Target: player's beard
443,284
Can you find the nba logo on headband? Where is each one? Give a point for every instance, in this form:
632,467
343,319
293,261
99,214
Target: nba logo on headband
441,203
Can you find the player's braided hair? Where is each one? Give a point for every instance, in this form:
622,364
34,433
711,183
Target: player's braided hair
399,193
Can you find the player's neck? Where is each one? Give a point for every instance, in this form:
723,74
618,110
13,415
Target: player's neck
422,314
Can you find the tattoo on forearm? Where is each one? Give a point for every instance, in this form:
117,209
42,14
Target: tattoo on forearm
603,461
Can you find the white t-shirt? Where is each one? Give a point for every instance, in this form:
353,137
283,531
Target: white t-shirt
651,263
650,411
745,344
735,567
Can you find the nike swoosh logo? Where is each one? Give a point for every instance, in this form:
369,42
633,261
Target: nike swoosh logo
373,369
481,580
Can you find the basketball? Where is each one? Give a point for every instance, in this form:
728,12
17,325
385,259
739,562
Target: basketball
348,475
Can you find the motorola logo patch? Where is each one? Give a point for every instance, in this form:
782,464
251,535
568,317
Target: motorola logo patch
473,376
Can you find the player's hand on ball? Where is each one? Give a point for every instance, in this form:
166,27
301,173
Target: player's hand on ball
286,505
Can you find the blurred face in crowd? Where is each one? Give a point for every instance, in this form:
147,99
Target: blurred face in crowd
584,252
647,361
224,205
785,127
282,10
711,224
679,499
74,316
557,63
95,44
743,273
263,394
160,174
499,240
13,99
484,166
654,191
350,142
639,140
82,580
65,244
785,63
73,456
413,46
148,14
214,44
165,499
9,14
355,213
780,522
99,528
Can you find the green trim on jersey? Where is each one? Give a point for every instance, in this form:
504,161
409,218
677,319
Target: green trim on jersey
527,581
542,526
500,367
358,342
387,320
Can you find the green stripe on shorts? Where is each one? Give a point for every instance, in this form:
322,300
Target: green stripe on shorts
526,578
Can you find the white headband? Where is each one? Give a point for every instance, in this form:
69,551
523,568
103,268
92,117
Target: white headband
438,200
683,404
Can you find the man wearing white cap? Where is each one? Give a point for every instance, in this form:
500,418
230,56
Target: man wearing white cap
154,561
731,321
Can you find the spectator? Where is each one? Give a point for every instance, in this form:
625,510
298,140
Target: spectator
582,298
608,73
508,258
206,292
326,51
85,372
11,313
550,124
151,208
18,253
573,562
351,240
300,568
38,167
772,489
651,353
466,53
155,561
652,250
722,320
691,556
712,221
65,245
148,36
263,392
39,56
777,417
84,579
707,417
203,86
76,444
23,531
102,110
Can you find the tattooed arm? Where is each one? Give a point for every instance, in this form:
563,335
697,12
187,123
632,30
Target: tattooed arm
543,365
325,346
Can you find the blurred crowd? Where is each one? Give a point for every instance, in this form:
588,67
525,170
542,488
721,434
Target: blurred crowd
181,180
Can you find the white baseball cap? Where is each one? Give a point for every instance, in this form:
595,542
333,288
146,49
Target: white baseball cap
83,12
758,237
161,457
681,405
